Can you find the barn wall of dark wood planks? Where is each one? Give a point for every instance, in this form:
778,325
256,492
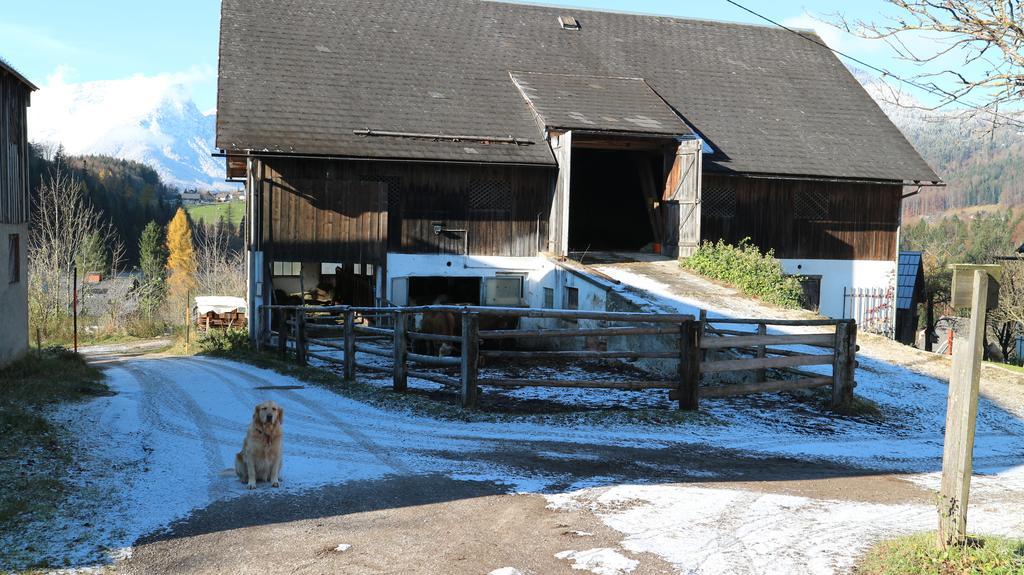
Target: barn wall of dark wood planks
14,185
802,219
332,210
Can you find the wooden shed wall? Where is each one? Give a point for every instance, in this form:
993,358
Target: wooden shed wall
14,196
504,208
802,219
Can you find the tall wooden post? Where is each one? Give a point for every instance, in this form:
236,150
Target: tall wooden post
689,364
470,355
300,337
844,364
350,345
400,374
282,333
961,413
762,351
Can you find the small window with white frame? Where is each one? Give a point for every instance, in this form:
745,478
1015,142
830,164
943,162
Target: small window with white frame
287,269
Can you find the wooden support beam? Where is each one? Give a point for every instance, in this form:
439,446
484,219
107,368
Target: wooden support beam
844,365
689,365
766,363
300,339
350,345
400,353
761,340
772,386
282,333
470,356
579,383
579,354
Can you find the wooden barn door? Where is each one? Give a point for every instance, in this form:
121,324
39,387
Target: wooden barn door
681,200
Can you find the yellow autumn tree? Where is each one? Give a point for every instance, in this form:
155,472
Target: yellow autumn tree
181,259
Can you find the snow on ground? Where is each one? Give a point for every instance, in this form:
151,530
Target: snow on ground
602,561
706,531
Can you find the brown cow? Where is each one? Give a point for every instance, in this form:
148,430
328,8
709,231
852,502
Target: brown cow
439,323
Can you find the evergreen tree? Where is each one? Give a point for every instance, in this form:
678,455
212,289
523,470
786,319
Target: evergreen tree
181,260
92,256
153,262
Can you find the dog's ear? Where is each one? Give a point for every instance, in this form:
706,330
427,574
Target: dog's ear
280,415
256,414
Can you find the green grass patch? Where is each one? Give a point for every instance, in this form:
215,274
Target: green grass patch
919,555
34,456
744,267
1008,366
232,212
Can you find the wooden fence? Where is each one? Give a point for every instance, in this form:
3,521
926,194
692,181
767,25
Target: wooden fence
694,345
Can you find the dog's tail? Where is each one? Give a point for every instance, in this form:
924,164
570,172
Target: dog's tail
226,473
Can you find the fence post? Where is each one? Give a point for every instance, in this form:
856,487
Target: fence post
760,374
689,364
844,364
282,333
350,345
300,337
400,375
470,354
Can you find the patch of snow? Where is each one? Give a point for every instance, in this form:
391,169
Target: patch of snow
709,531
506,571
602,561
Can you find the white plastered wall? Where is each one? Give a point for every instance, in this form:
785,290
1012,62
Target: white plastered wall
839,274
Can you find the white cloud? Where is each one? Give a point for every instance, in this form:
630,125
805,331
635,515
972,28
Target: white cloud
150,119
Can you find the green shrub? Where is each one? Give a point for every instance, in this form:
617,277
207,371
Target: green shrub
746,268
224,342
918,554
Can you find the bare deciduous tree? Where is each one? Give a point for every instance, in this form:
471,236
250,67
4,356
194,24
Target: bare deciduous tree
220,269
62,222
1007,320
985,36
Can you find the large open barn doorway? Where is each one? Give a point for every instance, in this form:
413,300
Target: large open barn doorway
611,200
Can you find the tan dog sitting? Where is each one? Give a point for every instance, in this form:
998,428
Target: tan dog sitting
261,454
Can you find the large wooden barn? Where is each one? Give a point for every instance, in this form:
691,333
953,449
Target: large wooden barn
15,94
408,151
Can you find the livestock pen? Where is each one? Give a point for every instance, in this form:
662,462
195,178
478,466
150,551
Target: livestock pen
693,346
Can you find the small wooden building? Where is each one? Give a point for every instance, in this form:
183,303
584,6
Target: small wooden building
15,95
407,152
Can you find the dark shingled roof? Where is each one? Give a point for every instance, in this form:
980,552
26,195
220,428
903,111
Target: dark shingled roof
5,67
597,103
302,77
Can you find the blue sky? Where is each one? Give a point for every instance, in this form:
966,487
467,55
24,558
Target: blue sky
117,39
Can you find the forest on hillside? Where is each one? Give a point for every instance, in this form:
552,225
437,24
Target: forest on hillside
128,194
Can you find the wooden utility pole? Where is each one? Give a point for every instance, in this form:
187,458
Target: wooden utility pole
962,407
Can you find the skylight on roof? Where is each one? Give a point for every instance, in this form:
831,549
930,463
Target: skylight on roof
569,23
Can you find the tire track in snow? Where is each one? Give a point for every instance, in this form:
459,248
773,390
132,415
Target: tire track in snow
161,395
393,463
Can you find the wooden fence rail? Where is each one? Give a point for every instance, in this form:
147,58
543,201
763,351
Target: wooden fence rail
696,345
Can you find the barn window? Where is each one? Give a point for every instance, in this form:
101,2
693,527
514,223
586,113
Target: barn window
549,298
503,291
14,258
811,205
287,269
719,202
393,183
329,269
490,195
572,298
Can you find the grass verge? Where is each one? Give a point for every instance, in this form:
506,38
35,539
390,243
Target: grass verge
34,456
918,555
1006,366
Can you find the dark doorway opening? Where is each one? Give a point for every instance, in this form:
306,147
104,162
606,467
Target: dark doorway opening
427,290
608,207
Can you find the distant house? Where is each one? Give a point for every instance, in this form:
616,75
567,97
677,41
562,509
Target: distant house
191,198
461,149
15,96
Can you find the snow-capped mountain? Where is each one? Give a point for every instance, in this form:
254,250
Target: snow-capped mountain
149,119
